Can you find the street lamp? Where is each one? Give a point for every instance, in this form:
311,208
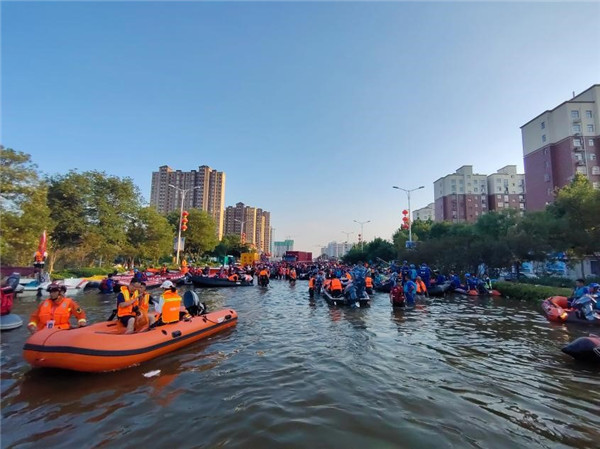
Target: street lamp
348,234
409,215
362,234
182,192
242,231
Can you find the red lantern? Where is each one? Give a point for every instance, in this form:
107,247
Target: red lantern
184,228
184,220
404,212
405,219
185,213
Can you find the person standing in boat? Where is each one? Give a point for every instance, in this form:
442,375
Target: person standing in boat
56,311
128,305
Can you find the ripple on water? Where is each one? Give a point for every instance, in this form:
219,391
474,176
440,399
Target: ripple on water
457,372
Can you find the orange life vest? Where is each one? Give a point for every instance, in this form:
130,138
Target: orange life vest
263,273
311,283
336,284
145,302
292,274
233,277
39,257
59,312
368,282
171,307
421,287
127,310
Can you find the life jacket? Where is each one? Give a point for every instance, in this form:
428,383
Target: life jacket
7,297
311,283
263,273
336,284
348,276
59,312
327,283
292,274
421,287
233,277
171,307
39,257
127,310
144,302
368,282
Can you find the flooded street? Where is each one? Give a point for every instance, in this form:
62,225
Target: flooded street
457,372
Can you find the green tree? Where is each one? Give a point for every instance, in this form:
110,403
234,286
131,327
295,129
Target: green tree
149,236
201,235
25,214
92,212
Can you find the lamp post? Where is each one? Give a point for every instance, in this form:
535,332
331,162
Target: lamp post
362,234
348,234
181,192
409,213
242,231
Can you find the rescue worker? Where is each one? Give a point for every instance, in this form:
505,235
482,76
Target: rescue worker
144,300
263,277
410,290
56,311
335,287
311,286
421,288
169,304
128,305
369,285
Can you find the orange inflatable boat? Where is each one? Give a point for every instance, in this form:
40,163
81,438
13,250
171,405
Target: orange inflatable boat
104,347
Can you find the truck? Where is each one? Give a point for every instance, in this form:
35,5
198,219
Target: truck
297,256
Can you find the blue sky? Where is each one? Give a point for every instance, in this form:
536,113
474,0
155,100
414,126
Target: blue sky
313,110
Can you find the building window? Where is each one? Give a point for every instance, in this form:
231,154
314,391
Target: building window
591,142
499,197
543,125
596,185
522,206
574,114
546,177
499,205
462,190
577,142
595,170
590,128
543,137
475,189
576,128
547,164
582,170
545,151
588,114
592,156
505,197
499,189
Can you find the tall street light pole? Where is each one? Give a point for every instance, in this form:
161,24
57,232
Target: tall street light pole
182,193
362,234
242,231
409,213
348,234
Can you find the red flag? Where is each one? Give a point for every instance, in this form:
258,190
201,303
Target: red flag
41,254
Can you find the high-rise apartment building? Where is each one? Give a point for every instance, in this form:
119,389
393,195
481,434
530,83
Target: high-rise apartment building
460,196
425,213
337,250
559,143
465,196
250,222
506,189
201,189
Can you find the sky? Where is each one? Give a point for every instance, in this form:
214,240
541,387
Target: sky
313,110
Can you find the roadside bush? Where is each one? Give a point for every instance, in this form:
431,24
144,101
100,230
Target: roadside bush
529,292
555,281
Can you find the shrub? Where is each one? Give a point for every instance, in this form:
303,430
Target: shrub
530,292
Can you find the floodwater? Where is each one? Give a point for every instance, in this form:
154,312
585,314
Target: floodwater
455,373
